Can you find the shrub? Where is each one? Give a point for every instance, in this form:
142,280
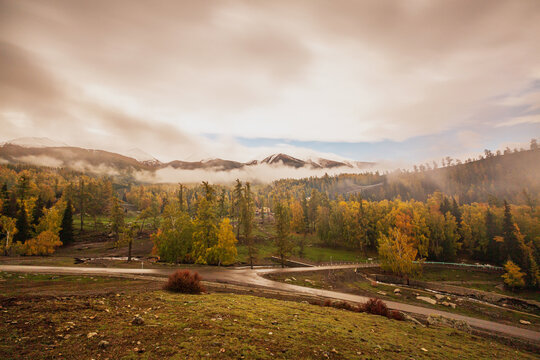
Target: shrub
184,281
396,315
375,307
372,306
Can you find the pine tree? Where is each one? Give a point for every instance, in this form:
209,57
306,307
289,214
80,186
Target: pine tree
511,244
4,199
237,206
66,228
37,212
493,251
22,225
283,223
12,209
247,215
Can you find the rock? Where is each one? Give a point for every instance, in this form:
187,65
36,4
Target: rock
103,344
137,320
449,304
397,291
427,299
381,293
288,280
91,335
439,296
423,349
524,322
409,318
434,320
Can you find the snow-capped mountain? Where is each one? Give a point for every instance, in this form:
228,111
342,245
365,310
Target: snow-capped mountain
142,156
47,152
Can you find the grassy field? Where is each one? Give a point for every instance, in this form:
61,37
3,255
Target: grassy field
348,281
224,326
485,281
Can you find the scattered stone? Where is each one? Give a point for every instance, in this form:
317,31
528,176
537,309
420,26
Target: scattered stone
397,291
407,317
137,320
103,344
439,296
423,349
91,335
427,299
288,280
381,293
434,320
524,322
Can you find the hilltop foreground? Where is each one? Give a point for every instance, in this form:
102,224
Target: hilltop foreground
99,325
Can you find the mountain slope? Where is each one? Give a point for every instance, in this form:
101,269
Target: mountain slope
46,152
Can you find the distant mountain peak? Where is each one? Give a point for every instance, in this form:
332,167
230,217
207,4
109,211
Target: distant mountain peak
35,142
142,156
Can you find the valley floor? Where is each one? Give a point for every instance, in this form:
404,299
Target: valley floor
91,317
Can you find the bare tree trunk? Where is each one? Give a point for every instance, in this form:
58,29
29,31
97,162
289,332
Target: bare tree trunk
129,250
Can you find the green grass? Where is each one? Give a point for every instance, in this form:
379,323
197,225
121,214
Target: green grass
223,326
432,273
346,281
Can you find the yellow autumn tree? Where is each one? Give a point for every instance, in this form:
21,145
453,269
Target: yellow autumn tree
224,252
43,244
397,253
7,227
297,217
513,277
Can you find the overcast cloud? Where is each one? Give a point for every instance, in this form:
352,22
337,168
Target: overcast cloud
163,75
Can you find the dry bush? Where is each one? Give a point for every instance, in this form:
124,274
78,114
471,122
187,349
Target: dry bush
396,315
375,307
184,281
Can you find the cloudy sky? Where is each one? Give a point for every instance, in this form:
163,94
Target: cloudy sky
365,80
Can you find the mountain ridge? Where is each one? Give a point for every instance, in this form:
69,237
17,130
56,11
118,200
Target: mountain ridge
51,153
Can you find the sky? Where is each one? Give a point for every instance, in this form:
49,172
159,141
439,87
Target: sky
398,81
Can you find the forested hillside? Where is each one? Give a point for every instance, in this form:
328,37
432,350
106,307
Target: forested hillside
510,175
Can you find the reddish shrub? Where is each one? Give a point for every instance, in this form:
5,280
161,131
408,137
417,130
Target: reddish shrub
184,281
376,307
396,315
342,305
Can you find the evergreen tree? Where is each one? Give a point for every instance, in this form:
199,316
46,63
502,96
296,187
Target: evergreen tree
283,222
37,212
4,198
12,209
22,225
237,205
511,243
66,228
247,216
493,251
